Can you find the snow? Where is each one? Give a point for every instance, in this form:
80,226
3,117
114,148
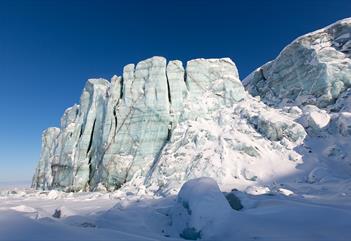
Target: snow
315,118
200,205
23,208
295,211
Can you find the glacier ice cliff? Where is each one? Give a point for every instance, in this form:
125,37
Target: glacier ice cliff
163,123
120,127
160,122
312,78
314,69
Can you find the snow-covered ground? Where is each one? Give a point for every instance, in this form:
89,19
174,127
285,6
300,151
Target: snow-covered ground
299,211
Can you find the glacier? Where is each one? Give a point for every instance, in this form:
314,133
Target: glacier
314,69
173,151
120,127
162,123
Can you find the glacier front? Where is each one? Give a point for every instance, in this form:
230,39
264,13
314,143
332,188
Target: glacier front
160,124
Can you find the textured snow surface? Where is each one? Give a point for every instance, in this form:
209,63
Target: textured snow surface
293,211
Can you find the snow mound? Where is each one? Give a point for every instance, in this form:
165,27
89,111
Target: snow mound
24,209
314,118
200,205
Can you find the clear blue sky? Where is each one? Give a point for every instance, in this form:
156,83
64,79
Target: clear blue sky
49,48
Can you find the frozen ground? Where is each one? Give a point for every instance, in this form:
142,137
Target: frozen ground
295,211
